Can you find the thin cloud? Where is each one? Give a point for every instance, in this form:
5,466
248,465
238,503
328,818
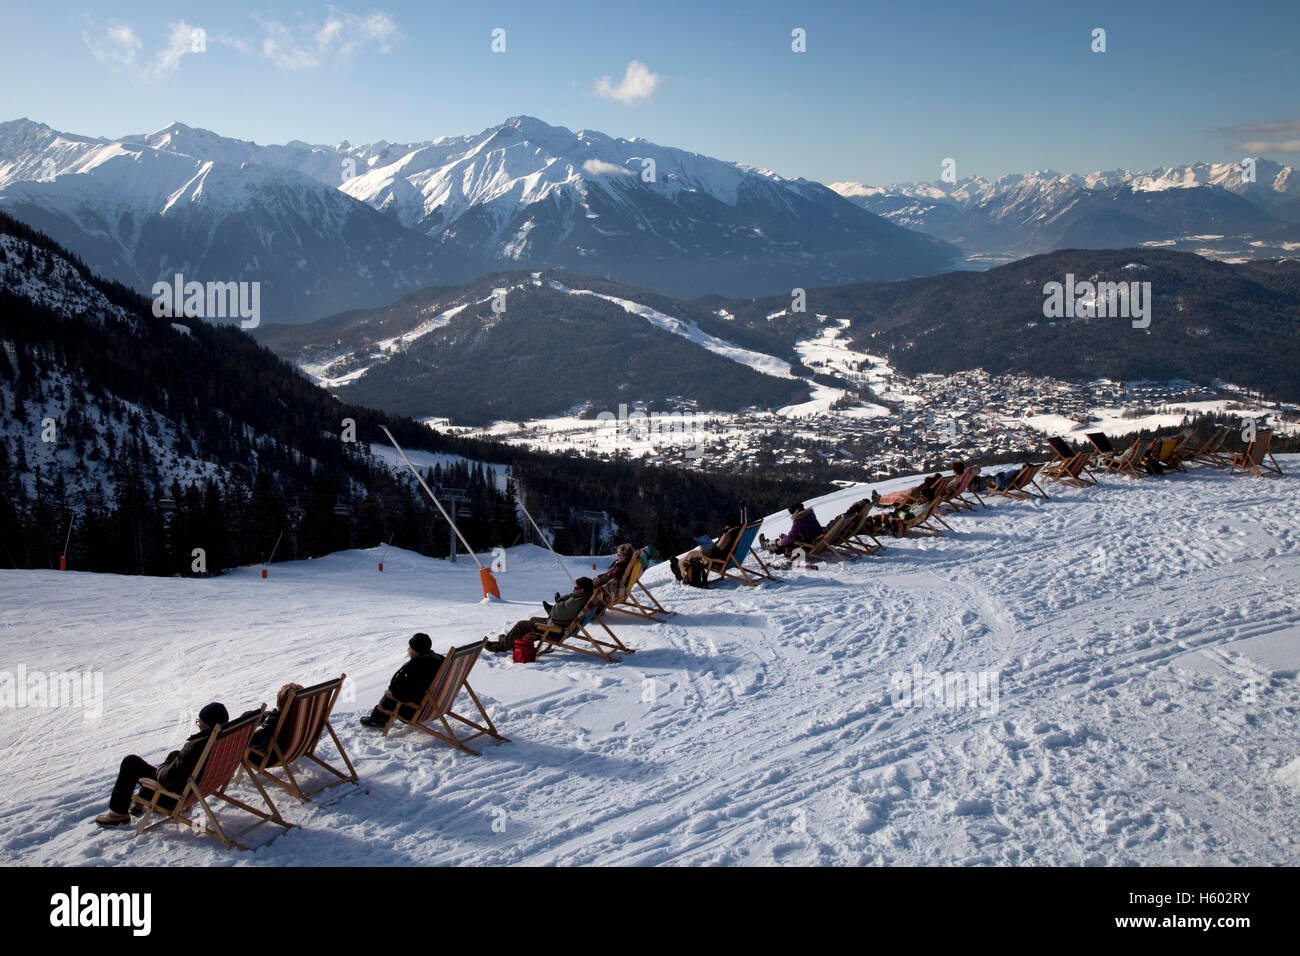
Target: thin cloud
119,47
1268,137
598,167
116,46
339,38
637,86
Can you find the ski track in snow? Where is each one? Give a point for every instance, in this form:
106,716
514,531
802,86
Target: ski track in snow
1145,637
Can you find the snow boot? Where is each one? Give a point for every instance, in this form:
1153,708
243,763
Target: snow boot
677,568
111,819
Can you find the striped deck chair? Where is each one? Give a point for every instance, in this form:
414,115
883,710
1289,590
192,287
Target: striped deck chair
627,602
954,495
1193,451
304,717
1071,471
733,565
553,636
1019,488
452,676
225,753
1127,463
1253,459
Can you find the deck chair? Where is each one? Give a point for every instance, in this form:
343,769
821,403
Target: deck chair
1255,459
1071,471
569,638
452,676
1062,448
954,495
1102,444
830,543
858,539
1127,463
1165,450
304,717
733,565
919,521
1212,452
1194,451
1020,488
225,752
626,602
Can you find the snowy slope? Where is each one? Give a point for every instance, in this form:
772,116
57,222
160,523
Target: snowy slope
1142,635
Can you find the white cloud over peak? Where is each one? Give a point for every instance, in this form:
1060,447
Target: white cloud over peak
637,86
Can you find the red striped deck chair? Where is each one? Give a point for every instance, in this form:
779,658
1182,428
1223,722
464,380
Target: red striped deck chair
627,601
1255,459
1019,488
954,496
733,565
225,753
304,717
452,677
570,638
1127,463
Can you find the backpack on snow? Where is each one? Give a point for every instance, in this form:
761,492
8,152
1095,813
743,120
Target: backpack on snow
695,573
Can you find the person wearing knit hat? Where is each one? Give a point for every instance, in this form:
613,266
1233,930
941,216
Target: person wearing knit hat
409,685
561,615
173,773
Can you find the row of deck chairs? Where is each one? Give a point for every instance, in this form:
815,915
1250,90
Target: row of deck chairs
1177,451
303,723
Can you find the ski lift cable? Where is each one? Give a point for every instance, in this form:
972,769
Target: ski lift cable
544,541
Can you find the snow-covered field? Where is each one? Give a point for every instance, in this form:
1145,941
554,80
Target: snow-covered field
1128,657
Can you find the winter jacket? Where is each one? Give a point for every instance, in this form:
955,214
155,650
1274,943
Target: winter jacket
614,573
414,678
804,527
178,766
567,608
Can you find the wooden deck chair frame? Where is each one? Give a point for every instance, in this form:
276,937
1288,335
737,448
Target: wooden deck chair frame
1212,452
553,636
1074,471
305,716
919,523
1167,452
628,603
856,537
954,495
830,541
225,752
1127,463
1189,452
1018,489
1255,459
451,679
733,565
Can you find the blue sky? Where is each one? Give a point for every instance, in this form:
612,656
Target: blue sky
882,94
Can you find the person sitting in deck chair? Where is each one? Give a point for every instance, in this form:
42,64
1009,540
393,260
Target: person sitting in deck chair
261,739
606,583
409,684
731,528
1002,480
804,526
922,492
561,615
173,773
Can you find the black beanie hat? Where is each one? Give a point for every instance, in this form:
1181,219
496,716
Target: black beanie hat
421,643
585,584
214,714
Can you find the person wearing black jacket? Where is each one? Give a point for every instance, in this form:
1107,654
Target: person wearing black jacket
409,685
172,775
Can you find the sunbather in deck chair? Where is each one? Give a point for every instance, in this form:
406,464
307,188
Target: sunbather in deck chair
1255,459
919,519
733,564
1021,485
830,543
225,753
859,538
303,715
626,600
441,696
570,637
953,494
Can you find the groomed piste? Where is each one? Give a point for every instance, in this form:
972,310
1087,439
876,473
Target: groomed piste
1107,677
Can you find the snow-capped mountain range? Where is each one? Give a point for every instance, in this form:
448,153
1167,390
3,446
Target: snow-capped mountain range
335,227
1225,210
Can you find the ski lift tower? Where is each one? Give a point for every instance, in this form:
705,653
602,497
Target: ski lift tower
455,498
596,518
